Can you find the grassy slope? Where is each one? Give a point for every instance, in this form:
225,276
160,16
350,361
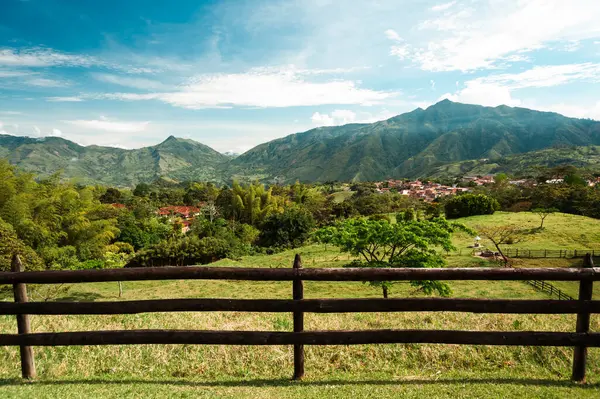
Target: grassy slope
369,371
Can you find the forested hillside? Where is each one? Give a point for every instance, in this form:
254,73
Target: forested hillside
425,142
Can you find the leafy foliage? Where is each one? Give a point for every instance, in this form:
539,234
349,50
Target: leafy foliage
470,205
289,229
404,244
184,251
62,223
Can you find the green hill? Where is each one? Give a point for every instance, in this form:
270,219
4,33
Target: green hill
526,164
446,139
413,144
174,158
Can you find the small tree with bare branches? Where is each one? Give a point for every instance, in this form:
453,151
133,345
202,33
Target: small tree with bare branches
543,213
501,235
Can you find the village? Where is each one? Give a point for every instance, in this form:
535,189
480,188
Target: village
426,191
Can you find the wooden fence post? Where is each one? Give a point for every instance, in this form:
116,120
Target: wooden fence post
298,294
23,324
583,325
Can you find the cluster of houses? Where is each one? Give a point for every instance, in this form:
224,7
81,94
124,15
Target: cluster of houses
479,180
426,191
183,214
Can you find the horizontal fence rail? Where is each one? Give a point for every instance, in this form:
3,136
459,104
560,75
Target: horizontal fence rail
281,274
136,337
581,339
508,306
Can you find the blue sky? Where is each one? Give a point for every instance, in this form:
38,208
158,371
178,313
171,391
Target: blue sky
233,74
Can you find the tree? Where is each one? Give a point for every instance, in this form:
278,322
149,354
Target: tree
248,204
470,205
404,244
543,213
288,229
142,190
111,196
501,235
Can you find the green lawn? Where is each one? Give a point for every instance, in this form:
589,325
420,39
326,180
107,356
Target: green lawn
561,231
378,371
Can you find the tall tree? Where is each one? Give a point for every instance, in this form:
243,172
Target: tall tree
405,244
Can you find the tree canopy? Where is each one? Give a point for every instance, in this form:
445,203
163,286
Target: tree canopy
408,243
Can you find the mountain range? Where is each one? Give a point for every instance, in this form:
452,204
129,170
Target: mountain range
444,139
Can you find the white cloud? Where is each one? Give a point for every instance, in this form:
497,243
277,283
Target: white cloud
56,132
11,113
36,131
344,116
546,76
488,94
337,117
136,83
572,46
591,111
10,73
109,126
263,87
393,35
41,57
43,82
64,99
432,84
467,38
443,7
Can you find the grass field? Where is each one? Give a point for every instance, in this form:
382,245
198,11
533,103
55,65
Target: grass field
378,371
561,231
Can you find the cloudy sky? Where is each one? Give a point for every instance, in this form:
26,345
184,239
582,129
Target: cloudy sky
232,74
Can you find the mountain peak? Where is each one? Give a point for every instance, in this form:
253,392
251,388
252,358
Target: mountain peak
444,104
170,139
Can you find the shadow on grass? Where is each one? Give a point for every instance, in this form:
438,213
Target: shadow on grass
80,297
287,382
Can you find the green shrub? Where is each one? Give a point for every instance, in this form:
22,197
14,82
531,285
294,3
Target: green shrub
288,229
184,251
470,205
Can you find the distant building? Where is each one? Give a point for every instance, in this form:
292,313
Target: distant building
180,211
182,214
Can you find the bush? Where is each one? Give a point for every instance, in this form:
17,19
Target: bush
288,229
470,205
182,252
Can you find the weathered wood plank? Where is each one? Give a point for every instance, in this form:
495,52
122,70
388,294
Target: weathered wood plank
286,274
23,322
298,295
136,337
586,289
306,306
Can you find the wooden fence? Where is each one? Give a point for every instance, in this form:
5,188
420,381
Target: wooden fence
550,289
581,339
548,253
532,253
